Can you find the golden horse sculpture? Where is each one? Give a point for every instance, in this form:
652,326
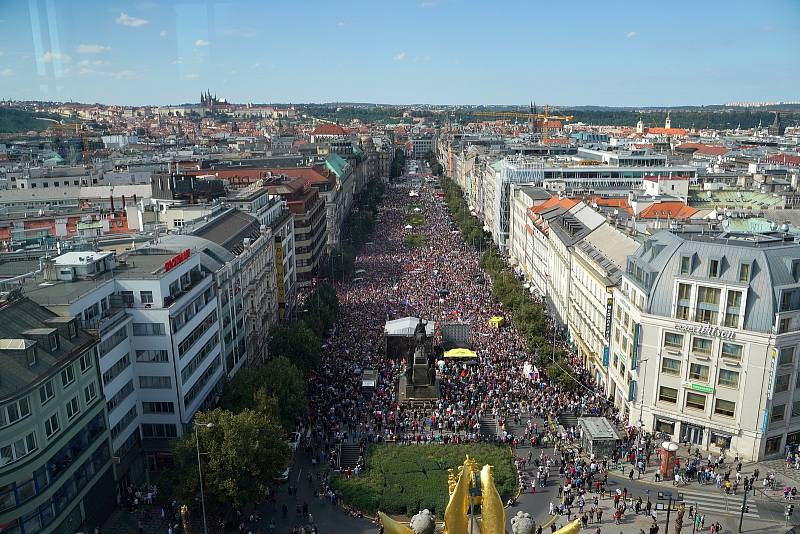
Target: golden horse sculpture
457,516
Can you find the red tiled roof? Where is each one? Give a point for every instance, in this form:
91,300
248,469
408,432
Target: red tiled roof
666,131
328,129
785,159
312,174
712,150
668,210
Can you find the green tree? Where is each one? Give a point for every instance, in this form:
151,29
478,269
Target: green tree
241,453
296,342
276,387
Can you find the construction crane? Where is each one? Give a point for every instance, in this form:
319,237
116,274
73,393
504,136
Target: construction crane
530,117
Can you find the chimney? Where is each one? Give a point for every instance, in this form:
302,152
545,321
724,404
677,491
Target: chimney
112,201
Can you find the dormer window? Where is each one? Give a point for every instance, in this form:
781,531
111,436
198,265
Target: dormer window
686,264
713,268
744,273
45,337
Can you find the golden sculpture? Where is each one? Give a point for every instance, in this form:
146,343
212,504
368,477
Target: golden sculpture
464,496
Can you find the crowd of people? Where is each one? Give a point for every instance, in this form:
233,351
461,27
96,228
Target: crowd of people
440,281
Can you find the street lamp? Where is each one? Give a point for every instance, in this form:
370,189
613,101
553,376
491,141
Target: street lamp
641,405
197,427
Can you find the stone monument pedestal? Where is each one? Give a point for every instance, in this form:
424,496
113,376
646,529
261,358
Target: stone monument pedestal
409,392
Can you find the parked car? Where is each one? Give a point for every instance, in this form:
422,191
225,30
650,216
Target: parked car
294,441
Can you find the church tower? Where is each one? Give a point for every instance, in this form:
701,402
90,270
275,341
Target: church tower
640,126
668,122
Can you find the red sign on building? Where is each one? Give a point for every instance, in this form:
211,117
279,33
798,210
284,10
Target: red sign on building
177,260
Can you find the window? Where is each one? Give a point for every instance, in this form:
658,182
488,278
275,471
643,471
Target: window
786,356
152,356
684,296
51,425
795,408
664,426
112,341
15,411
698,372
124,423
701,346
707,304
120,395
114,371
778,411
199,358
773,445
732,309
20,448
686,264
89,393
46,392
155,431
86,361
197,333
127,297
666,394
671,366
744,272
148,329
732,351
723,441
73,407
146,296
713,269
67,376
723,407
155,382
695,401
177,223
785,325
673,341
782,382
728,378
158,407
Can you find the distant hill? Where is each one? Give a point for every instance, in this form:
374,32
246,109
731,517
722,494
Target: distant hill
15,121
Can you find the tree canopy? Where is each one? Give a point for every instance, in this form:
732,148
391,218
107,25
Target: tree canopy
241,453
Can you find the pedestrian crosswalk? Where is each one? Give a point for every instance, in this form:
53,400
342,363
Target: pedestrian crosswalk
710,503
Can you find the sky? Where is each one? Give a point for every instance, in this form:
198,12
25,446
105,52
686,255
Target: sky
492,52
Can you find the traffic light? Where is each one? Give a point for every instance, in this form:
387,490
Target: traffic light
789,510
745,508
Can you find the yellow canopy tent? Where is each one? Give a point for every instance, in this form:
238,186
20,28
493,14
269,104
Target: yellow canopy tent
496,322
460,353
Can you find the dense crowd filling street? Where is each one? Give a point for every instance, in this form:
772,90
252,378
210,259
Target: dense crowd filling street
440,281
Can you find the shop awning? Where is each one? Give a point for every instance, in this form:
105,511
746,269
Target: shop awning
460,353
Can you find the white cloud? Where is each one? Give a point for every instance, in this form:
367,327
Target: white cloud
340,24
399,56
192,76
202,42
631,35
162,33
6,72
91,49
49,57
133,22
125,75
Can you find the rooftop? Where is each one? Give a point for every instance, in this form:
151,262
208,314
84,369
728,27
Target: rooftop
25,315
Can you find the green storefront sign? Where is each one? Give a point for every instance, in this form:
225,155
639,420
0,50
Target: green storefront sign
701,389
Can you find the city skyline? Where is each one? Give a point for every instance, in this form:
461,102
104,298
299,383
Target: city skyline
423,52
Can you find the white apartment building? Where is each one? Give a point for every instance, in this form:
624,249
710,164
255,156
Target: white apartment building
160,347
705,341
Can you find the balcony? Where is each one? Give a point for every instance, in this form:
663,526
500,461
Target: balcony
108,319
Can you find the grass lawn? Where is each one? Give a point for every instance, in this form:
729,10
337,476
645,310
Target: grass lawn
406,479
415,240
416,219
